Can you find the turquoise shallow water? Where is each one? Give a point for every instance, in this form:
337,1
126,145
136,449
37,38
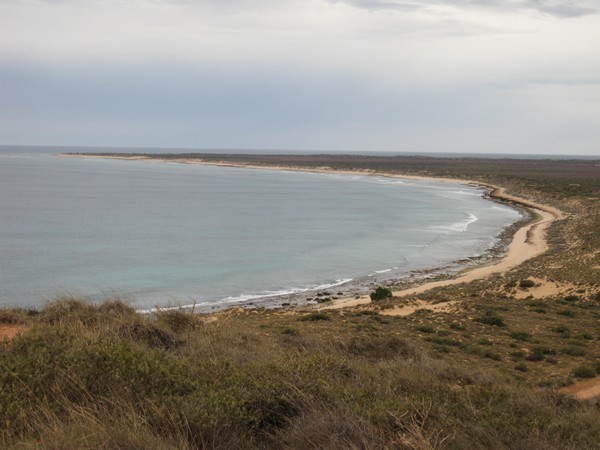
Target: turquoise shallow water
165,233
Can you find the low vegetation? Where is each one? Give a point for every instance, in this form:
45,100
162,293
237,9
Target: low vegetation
84,376
381,293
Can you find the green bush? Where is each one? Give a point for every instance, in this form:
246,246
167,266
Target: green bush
527,283
573,350
178,320
12,316
442,340
521,367
584,371
561,329
458,326
520,335
491,318
543,350
315,316
566,313
381,293
535,356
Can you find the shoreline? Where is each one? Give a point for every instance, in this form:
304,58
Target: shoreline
528,241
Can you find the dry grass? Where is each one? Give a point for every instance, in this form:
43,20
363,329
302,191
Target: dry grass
105,377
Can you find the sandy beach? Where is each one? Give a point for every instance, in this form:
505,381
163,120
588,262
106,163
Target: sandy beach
528,241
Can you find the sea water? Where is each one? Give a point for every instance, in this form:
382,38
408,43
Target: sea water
165,234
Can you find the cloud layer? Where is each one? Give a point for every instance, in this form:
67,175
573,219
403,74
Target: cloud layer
559,8
428,75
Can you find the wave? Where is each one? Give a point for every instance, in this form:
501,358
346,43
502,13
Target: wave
378,272
392,181
243,298
506,209
268,294
458,227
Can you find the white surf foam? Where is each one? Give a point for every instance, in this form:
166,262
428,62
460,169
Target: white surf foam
458,227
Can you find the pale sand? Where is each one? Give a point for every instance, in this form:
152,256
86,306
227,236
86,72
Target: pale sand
415,305
10,331
588,390
528,242
545,288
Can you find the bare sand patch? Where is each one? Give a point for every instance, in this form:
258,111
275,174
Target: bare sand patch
545,288
9,331
347,303
413,306
586,390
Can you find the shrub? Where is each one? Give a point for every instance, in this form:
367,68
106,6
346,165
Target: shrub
521,367
290,331
544,350
442,340
148,334
491,318
425,328
517,354
12,317
314,316
527,283
535,356
566,313
534,303
520,335
116,308
457,326
367,312
584,371
380,293
384,347
571,298
573,350
177,320
69,310
561,329
492,355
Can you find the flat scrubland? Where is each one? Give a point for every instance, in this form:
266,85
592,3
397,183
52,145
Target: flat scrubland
487,370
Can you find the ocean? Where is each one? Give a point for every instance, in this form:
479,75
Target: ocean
167,234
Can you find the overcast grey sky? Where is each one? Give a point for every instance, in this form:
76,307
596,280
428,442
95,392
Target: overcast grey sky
501,76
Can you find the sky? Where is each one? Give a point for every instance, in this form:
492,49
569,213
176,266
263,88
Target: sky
468,76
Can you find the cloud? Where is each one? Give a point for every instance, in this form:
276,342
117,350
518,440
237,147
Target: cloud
557,8
425,75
